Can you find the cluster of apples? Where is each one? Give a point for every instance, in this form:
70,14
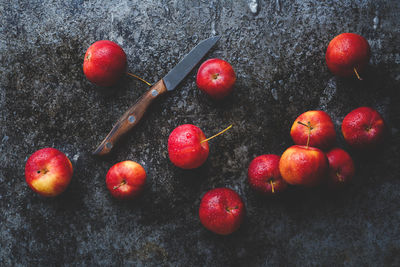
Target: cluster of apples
310,162
314,160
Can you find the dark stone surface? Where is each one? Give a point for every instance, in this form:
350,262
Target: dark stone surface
278,54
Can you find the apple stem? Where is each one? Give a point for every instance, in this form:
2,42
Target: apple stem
205,140
340,177
356,72
309,133
272,186
229,209
137,77
215,76
43,170
299,122
308,125
122,183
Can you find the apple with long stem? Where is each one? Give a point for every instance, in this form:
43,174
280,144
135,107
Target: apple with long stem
264,176
105,63
315,128
126,179
221,211
216,78
348,54
188,146
48,172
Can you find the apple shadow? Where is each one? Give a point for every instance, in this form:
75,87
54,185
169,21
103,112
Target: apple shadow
73,197
221,105
193,178
118,89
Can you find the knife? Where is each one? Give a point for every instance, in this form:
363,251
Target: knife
135,113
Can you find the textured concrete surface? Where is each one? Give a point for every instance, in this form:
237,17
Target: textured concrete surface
277,49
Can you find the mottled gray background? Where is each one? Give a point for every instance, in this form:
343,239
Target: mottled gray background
278,52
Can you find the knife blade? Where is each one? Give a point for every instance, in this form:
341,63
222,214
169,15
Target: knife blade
170,81
177,74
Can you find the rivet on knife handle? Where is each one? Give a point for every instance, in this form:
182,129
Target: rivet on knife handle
130,118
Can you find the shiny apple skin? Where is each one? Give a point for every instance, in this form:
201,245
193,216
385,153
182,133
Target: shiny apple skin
48,172
346,52
341,168
104,63
185,149
264,170
126,179
301,165
363,128
221,211
322,134
216,78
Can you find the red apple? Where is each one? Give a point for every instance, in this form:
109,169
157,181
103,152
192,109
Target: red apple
302,165
216,78
315,127
347,55
363,128
126,179
221,211
341,167
104,63
185,147
48,172
264,175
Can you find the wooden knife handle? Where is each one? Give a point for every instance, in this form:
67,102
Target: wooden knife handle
130,118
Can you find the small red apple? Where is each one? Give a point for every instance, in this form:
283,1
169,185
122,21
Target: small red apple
104,63
126,179
341,167
314,127
221,211
363,128
48,172
347,54
264,175
216,78
185,147
302,165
